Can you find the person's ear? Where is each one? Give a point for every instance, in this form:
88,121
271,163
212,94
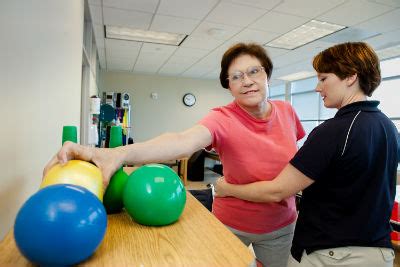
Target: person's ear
351,79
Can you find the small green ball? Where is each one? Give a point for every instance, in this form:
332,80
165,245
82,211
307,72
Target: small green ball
112,199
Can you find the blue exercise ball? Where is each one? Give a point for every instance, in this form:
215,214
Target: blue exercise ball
61,224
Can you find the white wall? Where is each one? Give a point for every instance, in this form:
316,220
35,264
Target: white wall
40,83
150,117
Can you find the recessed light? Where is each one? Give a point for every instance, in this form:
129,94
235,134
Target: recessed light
304,34
139,35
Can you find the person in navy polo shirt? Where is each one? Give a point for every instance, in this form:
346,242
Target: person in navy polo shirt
346,169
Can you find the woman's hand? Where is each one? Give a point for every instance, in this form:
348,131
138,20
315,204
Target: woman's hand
221,187
107,160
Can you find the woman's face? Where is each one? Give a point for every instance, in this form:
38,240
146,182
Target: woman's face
247,81
332,90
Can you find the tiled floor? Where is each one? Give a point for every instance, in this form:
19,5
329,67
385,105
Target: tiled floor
209,178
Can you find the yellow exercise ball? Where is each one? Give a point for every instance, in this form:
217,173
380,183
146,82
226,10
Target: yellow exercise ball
76,172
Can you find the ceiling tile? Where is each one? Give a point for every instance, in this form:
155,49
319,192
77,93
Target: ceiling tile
190,52
123,44
383,23
278,22
201,42
215,31
127,18
347,14
171,24
213,59
276,52
256,3
158,49
313,48
181,60
119,49
147,67
149,59
210,62
350,34
192,9
290,58
393,3
152,57
233,14
139,5
196,71
200,53
121,65
385,40
115,58
307,8
186,62
174,68
250,35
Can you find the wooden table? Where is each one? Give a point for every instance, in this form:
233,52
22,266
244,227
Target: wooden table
182,169
196,239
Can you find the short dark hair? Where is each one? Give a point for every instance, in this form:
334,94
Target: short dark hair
349,58
251,49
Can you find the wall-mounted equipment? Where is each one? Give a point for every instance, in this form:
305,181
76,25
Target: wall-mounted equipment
115,111
110,99
125,100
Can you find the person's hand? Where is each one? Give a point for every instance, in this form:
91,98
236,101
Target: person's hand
107,160
220,187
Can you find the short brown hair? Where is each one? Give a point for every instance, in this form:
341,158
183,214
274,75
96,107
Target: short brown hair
251,49
347,59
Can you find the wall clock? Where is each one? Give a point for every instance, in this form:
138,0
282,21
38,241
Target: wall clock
189,99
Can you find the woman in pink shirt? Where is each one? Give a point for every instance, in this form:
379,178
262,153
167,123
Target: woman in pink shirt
254,137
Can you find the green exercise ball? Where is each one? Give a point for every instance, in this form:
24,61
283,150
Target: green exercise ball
112,198
154,195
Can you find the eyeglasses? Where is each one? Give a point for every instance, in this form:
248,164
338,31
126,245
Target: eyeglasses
252,73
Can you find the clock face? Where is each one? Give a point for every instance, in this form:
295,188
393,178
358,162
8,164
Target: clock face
189,99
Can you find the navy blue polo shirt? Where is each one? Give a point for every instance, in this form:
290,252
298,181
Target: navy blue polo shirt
353,160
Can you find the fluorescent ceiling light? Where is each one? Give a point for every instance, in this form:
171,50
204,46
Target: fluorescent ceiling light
297,76
304,34
139,35
389,52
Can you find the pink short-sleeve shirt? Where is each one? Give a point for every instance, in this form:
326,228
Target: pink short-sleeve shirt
253,150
